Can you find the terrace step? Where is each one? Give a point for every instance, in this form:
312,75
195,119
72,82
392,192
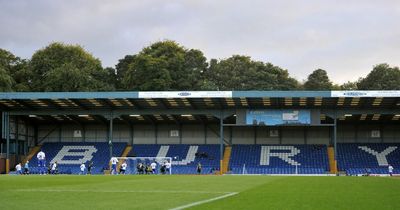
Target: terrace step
125,153
31,153
332,161
227,157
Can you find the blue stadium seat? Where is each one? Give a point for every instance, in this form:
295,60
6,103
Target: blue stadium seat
311,159
179,153
100,158
354,159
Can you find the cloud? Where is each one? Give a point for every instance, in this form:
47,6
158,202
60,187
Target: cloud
344,37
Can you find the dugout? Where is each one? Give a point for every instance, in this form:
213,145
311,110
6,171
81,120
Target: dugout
196,117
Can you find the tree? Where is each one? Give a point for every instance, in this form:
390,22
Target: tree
194,68
61,67
382,77
318,80
178,68
241,73
7,60
15,75
230,73
111,77
6,81
281,79
147,73
349,86
121,69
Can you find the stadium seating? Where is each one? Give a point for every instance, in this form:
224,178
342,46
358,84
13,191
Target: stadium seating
357,159
100,157
182,162
279,159
257,159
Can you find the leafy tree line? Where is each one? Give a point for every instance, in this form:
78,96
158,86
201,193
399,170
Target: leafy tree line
166,65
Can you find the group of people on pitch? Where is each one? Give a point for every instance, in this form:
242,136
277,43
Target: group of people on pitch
390,171
145,168
19,171
51,168
83,168
141,168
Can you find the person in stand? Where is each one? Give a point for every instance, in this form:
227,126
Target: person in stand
90,166
369,172
212,170
26,168
18,167
199,168
390,168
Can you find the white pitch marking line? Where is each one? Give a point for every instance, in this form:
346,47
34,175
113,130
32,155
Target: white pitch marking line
117,191
204,201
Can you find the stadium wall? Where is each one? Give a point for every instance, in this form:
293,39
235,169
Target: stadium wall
355,133
21,131
200,134
140,134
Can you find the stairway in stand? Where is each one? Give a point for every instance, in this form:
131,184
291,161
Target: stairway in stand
332,162
227,157
125,153
32,153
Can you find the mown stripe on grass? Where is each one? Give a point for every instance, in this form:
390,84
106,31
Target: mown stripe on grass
118,191
204,201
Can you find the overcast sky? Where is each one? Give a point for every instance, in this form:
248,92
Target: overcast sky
344,37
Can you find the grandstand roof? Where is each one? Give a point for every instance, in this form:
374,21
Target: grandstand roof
65,103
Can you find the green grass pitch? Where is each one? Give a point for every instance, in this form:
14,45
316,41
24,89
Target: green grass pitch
174,192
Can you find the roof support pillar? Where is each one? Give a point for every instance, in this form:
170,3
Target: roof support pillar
16,139
36,134
83,132
334,137
26,142
59,133
110,133
221,138
356,132
230,135
156,132
132,133
180,133
255,134
6,134
205,133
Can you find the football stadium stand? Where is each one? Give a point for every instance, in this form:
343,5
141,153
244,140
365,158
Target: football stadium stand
354,159
70,156
254,132
279,159
357,159
184,157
